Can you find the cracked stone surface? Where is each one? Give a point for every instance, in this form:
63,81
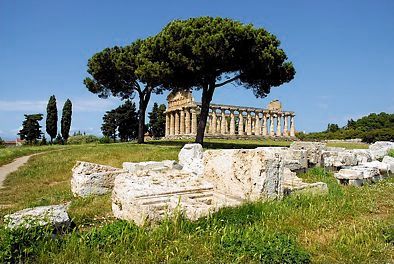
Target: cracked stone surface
55,215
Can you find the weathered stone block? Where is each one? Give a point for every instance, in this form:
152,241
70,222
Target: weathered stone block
362,155
140,168
380,149
190,158
338,159
149,198
246,173
294,185
92,179
390,163
313,149
54,215
381,166
358,175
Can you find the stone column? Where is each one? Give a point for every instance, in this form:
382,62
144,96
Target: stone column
265,124
257,127
187,121
167,124
272,120
214,121
249,124
232,122
176,123
182,122
223,123
172,123
285,125
279,125
218,122
194,121
292,126
210,123
241,124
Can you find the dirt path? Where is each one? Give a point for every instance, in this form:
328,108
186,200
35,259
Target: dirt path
11,167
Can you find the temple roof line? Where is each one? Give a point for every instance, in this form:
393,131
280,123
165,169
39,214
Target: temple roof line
244,108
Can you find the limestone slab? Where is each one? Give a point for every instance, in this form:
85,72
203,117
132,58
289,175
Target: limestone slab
92,179
191,158
313,149
390,163
55,215
246,173
338,158
380,149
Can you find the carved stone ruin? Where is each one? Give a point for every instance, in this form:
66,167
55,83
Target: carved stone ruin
202,182
227,121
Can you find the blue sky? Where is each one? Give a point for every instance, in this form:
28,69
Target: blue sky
343,52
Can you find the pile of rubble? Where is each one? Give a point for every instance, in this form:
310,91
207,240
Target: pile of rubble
202,182
358,167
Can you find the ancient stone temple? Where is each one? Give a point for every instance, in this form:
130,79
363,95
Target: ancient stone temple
227,120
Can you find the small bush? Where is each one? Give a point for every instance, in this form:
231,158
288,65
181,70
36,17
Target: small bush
105,140
82,139
391,153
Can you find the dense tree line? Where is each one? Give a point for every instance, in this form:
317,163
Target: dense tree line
202,53
371,128
121,122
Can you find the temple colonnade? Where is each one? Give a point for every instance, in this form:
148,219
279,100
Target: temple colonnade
231,121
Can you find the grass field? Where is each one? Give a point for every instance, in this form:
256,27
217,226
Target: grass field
349,225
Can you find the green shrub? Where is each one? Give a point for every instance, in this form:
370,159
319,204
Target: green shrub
82,139
105,140
391,153
384,134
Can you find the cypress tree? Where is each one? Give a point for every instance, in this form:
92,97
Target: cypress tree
51,121
66,119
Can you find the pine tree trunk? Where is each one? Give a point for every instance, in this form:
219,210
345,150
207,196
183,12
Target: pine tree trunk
207,94
144,100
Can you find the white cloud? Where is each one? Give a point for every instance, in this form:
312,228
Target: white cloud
22,106
94,105
79,105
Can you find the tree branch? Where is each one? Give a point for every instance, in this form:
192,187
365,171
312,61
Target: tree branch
227,81
137,87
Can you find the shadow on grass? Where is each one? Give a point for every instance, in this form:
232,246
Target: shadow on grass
221,144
